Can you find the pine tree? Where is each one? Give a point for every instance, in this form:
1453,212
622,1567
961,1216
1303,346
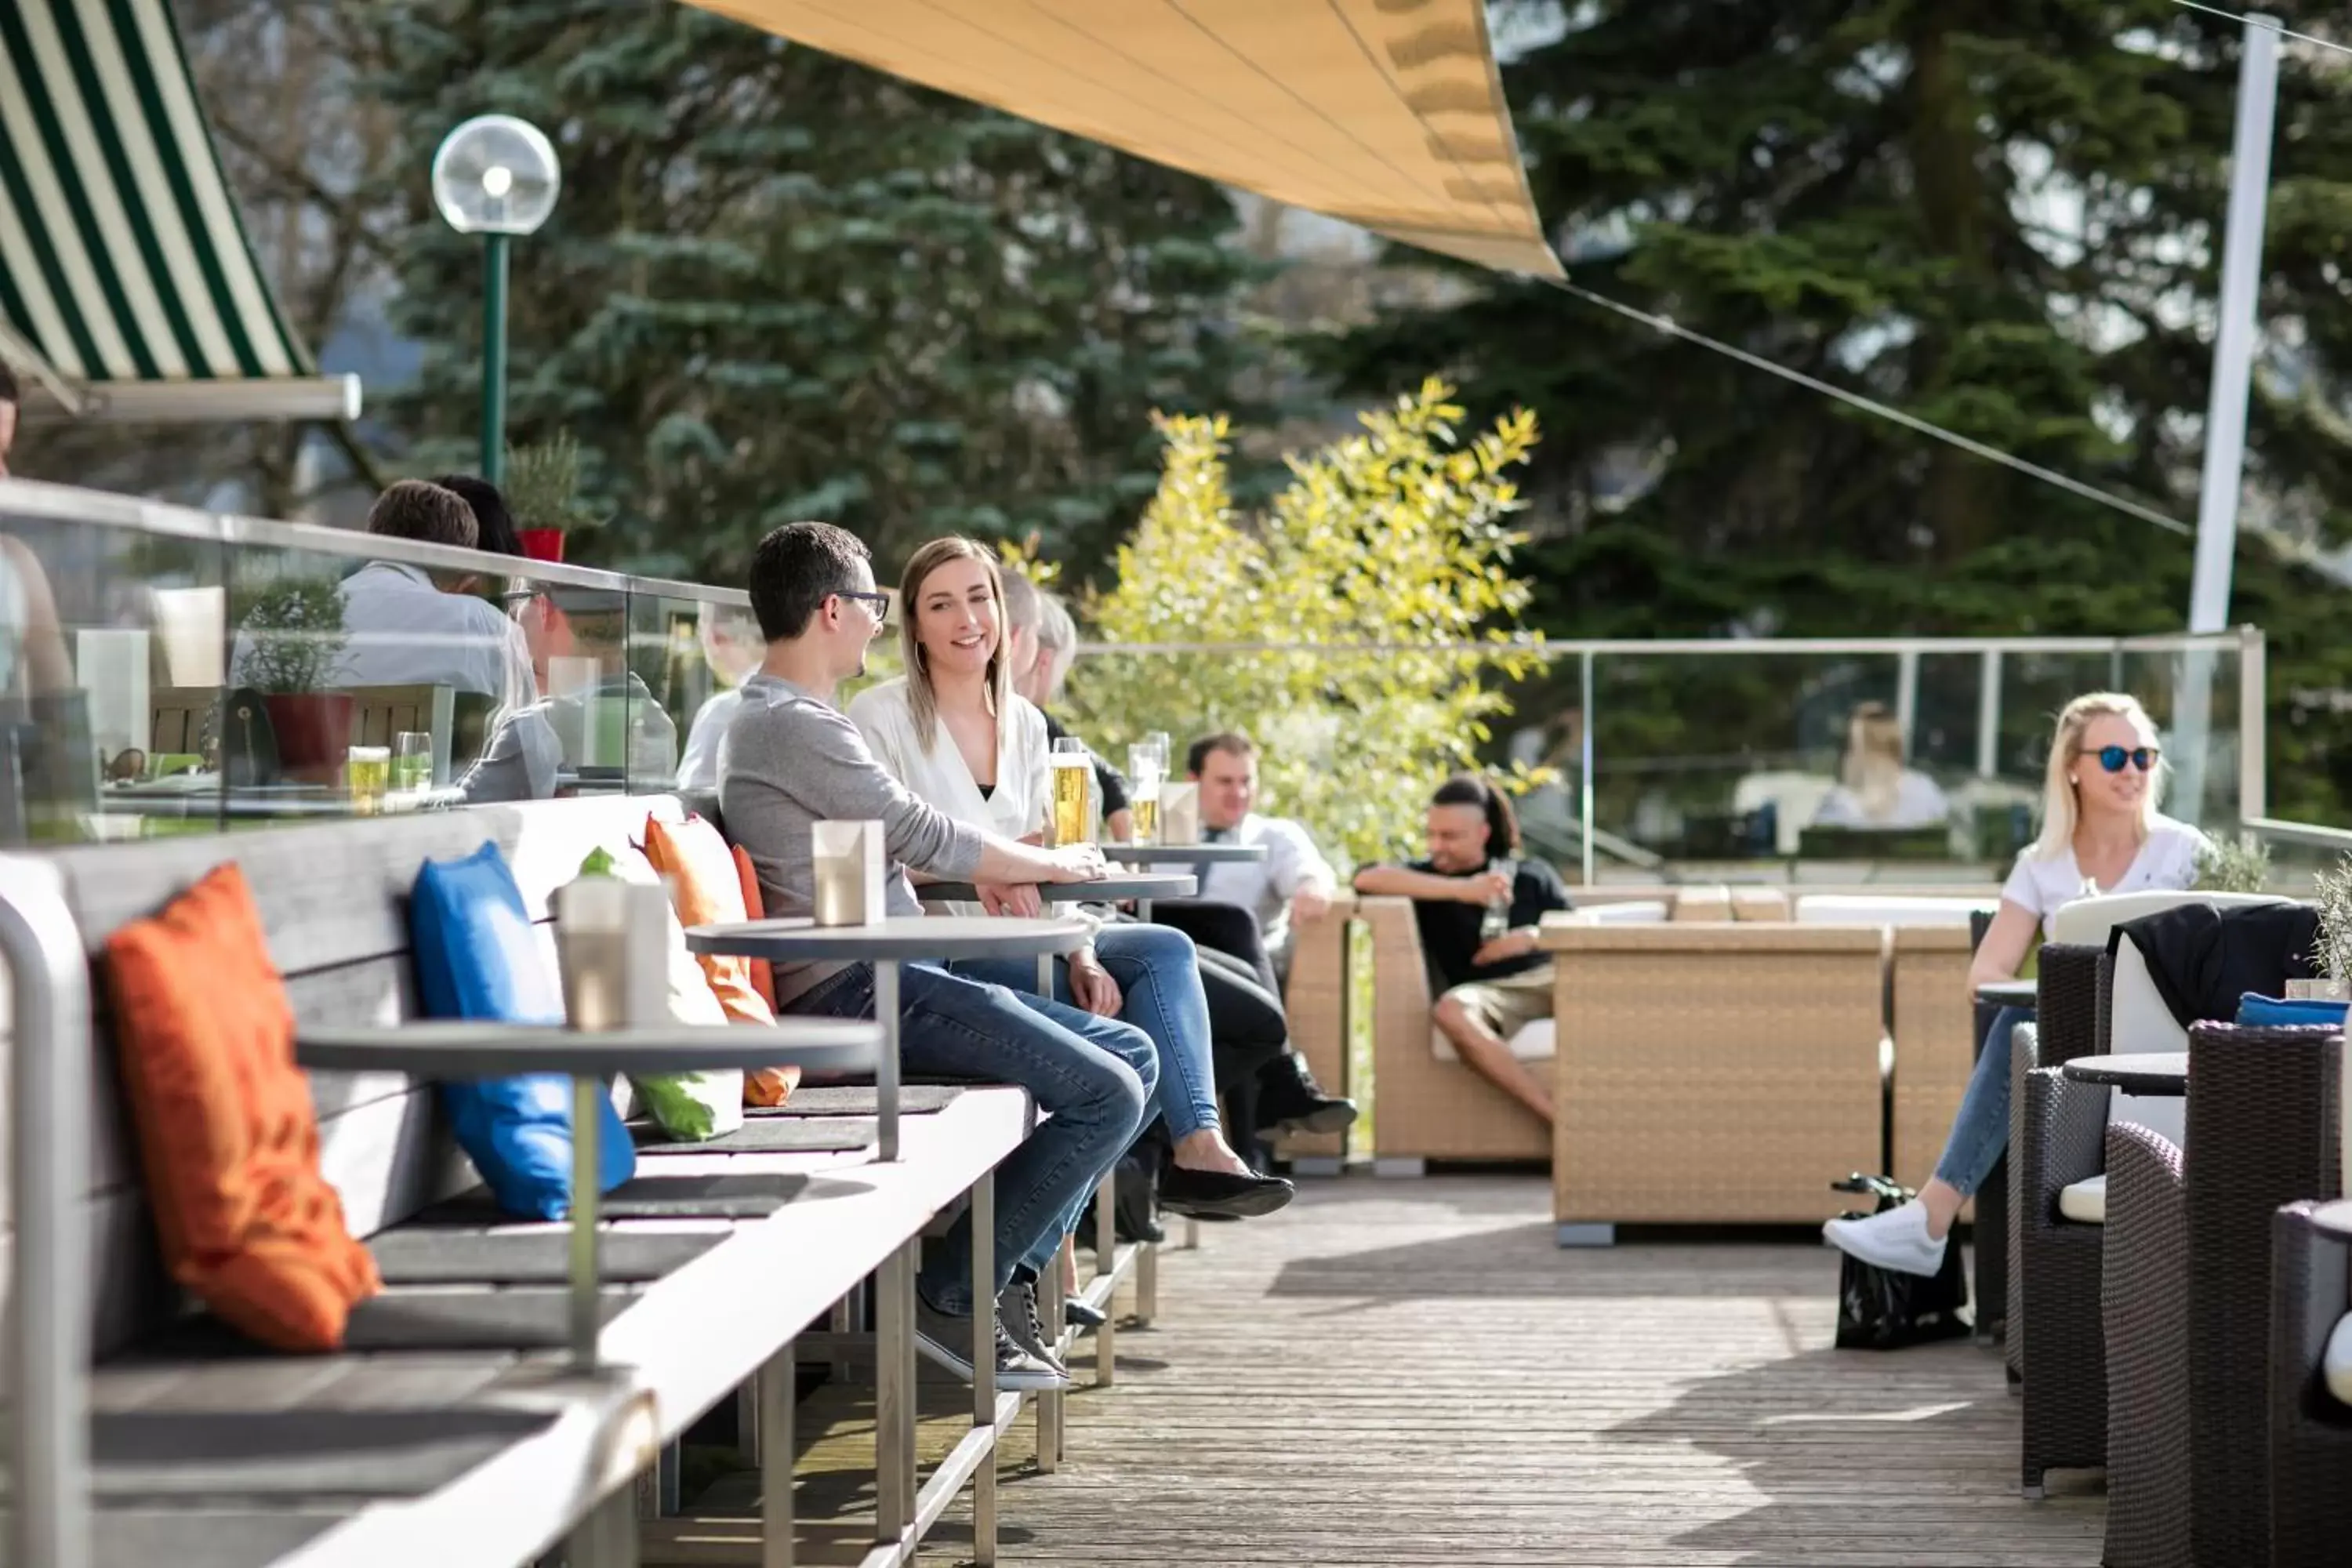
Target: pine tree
780,285
1996,214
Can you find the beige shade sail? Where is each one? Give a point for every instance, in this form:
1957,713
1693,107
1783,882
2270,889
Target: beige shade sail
1387,114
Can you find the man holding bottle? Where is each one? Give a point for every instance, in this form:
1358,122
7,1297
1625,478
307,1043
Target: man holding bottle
1478,906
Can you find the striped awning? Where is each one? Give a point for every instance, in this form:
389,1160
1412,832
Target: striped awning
123,259
1387,113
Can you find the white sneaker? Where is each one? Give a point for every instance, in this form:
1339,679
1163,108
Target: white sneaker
1896,1239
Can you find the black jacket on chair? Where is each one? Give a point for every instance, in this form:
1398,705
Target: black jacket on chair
2202,959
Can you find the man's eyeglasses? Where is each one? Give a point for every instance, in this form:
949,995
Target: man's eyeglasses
878,603
2112,758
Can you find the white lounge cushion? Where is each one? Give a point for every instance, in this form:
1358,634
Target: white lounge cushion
2085,1202
1536,1043
1626,912
2139,1021
2336,1366
1868,909
2086,922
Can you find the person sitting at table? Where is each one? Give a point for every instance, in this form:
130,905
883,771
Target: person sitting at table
523,754
2100,833
1267,1083
1489,987
1875,789
794,760
730,643
953,731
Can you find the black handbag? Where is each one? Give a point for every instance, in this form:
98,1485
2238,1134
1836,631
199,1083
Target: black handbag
1882,1309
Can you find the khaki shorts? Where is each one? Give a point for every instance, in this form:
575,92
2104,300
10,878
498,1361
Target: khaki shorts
1510,1003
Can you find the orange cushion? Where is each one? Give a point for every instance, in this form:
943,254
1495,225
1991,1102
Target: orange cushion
707,889
230,1140
755,908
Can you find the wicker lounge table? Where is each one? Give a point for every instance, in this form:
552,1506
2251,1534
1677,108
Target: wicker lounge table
2149,1072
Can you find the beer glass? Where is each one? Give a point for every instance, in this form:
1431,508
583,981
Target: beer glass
412,764
1073,778
1145,767
368,771
1497,920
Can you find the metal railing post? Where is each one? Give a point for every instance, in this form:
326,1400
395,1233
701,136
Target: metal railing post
2253,724
48,1344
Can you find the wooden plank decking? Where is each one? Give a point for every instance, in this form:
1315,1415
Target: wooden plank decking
1408,1373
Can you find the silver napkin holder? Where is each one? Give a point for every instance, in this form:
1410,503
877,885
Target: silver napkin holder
847,863
1180,813
612,947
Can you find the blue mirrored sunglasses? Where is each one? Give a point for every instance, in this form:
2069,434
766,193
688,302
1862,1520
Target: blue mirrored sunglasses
2112,758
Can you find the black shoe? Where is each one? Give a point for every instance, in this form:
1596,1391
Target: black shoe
1133,1219
1202,1193
1291,1100
1078,1315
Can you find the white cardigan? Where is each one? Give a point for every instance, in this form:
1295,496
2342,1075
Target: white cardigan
939,776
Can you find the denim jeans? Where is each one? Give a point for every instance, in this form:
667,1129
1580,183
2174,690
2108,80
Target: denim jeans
1092,1078
1159,977
1980,1131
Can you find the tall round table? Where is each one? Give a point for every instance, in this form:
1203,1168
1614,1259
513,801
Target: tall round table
1179,855
887,943
1142,890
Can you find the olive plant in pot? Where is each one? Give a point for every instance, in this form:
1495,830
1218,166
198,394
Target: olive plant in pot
294,638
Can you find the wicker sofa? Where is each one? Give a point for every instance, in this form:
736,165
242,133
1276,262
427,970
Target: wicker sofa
1654,986
2310,1383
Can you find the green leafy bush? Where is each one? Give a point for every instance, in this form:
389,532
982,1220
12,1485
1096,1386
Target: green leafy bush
1359,630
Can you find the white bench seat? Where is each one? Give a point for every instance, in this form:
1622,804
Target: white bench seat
2085,1202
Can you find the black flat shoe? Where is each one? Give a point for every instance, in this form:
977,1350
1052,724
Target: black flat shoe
1078,1315
1205,1194
1291,1100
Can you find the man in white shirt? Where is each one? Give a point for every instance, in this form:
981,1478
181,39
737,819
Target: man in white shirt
406,626
730,641
1294,880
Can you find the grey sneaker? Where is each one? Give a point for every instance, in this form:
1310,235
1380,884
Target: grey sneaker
1017,1320
942,1340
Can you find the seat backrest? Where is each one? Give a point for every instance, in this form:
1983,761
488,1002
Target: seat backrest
2086,922
1861,909
2138,1021
1624,912
381,713
178,716
333,900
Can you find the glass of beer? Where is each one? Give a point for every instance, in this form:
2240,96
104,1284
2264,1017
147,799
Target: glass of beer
1072,771
367,771
1145,768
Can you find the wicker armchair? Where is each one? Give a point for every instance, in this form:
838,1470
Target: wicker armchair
2144,1312
2262,1133
2310,1429
2067,1020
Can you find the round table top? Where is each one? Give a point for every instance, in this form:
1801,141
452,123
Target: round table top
2011,993
898,937
2137,1072
1108,890
471,1048
1182,854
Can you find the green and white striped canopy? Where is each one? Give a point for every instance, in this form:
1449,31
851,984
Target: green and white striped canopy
123,259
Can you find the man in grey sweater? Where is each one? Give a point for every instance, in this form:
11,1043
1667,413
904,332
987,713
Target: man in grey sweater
791,759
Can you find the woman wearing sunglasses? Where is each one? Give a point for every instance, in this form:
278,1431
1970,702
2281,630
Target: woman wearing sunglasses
2100,833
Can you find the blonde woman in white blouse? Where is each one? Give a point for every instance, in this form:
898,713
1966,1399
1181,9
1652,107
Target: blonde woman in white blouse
955,734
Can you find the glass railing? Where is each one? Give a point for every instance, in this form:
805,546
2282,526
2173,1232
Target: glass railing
1722,761
169,671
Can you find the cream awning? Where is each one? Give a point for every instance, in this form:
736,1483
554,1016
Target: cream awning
1387,114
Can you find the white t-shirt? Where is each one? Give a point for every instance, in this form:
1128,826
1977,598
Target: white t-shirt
698,768
2167,859
939,776
1917,804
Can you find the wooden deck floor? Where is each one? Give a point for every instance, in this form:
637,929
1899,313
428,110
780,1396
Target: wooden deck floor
1407,1373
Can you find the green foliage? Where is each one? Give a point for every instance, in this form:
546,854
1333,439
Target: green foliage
1896,199
780,285
297,637
2228,866
2331,893
1367,612
543,487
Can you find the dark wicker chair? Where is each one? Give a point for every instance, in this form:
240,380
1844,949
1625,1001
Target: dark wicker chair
2262,1133
2057,1136
2145,1317
2310,1432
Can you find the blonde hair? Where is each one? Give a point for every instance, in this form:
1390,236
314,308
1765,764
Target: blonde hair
2060,812
922,698
1873,773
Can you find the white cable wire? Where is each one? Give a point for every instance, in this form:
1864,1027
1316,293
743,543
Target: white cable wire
1910,422
2284,31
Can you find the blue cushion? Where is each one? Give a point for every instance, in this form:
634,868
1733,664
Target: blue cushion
2271,1013
477,957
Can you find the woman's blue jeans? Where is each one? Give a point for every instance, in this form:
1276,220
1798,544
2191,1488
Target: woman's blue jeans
1980,1131
1159,976
1093,1077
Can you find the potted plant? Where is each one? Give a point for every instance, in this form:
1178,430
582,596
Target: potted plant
543,491
2230,866
294,638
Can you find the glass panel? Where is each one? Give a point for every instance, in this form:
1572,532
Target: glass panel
103,634
689,655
